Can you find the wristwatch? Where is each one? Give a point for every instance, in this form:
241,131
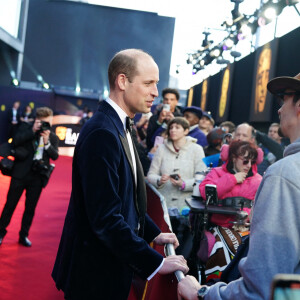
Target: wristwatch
202,292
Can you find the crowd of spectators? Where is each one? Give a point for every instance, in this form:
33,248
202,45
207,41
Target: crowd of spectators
177,142
173,142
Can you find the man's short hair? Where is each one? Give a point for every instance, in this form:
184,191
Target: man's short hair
228,124
252,129
124,62
170,91
43,112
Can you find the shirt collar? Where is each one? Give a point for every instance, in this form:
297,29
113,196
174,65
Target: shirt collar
121,113
193,127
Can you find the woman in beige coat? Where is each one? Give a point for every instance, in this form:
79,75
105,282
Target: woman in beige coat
175,164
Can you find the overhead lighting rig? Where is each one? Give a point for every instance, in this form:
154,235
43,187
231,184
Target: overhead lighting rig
238,28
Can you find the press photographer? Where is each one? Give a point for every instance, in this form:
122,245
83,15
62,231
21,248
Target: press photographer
30,172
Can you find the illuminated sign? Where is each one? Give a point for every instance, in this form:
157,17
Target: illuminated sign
262,78
224,92
190,98
204,94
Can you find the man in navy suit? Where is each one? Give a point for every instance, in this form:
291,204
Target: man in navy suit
106,236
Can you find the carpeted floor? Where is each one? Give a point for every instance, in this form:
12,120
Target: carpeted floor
25,273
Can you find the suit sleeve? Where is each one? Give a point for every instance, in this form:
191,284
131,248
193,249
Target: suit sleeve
23,135
53,149
100,162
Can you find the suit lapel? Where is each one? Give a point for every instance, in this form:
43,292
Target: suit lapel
141,188
127,152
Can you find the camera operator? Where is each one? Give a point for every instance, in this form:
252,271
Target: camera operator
31,170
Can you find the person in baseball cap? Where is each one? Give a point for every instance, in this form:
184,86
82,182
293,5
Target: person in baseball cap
285,88
279,85
193,114
206,123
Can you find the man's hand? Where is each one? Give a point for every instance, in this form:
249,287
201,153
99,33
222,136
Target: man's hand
188,288
174,263
166,238
169,116
45,134
162,116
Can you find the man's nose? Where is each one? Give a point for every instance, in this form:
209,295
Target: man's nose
155,91
279,111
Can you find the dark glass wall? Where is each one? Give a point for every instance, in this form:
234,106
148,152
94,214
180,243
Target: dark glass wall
70,43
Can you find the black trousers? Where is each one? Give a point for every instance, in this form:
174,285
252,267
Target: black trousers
32,184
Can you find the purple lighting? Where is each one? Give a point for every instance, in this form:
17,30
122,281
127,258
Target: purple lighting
240,36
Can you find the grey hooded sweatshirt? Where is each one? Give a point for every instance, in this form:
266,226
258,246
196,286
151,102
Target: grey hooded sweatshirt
275,232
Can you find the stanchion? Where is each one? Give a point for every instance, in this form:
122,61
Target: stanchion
169,248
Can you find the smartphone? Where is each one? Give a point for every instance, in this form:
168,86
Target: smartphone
211,194
285,287
166,107
174,176
158,140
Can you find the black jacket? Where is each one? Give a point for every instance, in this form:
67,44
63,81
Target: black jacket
25,147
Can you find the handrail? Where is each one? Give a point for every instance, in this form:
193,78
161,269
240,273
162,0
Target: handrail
169,248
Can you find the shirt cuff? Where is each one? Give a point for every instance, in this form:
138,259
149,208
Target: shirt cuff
183,186
152,275
47,146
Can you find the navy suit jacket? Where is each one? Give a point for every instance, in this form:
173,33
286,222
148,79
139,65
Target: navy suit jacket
100,247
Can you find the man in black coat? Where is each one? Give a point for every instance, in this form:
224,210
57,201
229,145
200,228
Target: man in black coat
13,119
34,146
106,235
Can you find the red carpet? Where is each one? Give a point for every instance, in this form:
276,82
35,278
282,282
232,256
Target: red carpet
25,273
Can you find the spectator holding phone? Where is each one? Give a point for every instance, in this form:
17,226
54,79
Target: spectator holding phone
159,121
174,166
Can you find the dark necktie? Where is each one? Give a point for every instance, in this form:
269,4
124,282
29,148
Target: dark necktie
129,124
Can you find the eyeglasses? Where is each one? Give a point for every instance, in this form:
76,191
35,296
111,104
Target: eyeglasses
280,96
246,162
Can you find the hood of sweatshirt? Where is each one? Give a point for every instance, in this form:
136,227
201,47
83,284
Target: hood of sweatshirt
292,148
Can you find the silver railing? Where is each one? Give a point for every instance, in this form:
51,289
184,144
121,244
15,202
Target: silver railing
169,248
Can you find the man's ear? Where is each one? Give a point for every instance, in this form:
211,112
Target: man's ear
121,81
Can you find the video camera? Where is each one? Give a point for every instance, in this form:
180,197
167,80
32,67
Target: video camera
44,126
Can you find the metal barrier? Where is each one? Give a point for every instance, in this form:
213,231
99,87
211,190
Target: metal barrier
169,248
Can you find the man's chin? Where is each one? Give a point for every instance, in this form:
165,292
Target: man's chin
280,132
146,110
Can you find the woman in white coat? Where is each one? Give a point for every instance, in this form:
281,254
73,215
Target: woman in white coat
175,164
